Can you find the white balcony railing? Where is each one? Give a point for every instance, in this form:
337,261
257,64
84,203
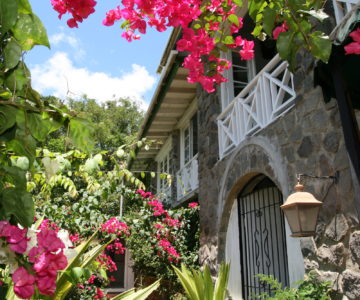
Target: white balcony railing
187,178
165,193
269,95
342,7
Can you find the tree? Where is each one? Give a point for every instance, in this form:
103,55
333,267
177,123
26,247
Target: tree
114,123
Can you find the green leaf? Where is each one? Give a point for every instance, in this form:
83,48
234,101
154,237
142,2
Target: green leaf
284,44
5,95
8,15
91,165
141,294
257,30
256,7
39,127
7,117
30,31
238,2
18,79
229,40
234,19
21,162
16,176
318,14
320,45
24,7
269,17
80,131
12,54
17,203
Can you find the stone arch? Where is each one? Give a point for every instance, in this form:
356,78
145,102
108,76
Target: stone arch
255,155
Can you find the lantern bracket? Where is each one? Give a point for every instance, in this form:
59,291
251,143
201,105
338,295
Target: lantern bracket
334,177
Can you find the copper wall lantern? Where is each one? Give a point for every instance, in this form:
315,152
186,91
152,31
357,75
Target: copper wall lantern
301,209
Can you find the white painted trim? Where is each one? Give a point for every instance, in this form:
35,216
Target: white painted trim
165,149
162,154
232,254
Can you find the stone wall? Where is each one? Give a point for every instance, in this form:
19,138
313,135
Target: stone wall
308,139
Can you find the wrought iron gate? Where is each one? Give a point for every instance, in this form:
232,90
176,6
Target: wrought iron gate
262,235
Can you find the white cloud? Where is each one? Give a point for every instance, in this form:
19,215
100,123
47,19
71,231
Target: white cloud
59,77
69,39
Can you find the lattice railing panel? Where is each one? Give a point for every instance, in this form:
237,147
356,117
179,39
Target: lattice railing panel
187,178
342,7
270,94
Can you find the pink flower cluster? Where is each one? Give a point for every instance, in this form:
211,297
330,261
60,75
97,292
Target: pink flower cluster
106,262
167,247
353,47
193,205
47,224
114,226
157,207
15,237
47,259
74,238
116,247
144,194
280,29
161,14
79,9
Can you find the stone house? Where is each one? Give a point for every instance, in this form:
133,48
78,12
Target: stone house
237,151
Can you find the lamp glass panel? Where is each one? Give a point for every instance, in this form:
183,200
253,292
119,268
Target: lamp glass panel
291,214
308,217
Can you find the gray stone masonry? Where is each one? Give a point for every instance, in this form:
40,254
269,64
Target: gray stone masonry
308,139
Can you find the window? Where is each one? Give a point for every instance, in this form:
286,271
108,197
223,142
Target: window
242,71
164,167
189,145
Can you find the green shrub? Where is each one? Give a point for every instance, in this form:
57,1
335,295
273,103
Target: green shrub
308,289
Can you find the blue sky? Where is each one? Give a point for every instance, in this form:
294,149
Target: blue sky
93,59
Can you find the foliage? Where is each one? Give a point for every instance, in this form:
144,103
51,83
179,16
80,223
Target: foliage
79,269
24,118
160,238
308,289
77,191
198,285
209,27
115,123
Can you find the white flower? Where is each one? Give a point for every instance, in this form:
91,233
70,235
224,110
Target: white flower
70,253
32,239
64,236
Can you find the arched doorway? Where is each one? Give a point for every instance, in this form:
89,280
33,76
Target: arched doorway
262,239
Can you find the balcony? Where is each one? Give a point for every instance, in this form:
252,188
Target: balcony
267,97
342,7
187,178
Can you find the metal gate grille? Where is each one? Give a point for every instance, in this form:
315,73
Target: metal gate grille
262,236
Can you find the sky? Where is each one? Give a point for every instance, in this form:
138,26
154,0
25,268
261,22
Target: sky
94,59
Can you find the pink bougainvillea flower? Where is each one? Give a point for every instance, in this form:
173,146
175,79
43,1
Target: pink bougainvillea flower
23,283
16,238
355,35
352,48
193,204
112,16
99,294
48,239
247,51
280,29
